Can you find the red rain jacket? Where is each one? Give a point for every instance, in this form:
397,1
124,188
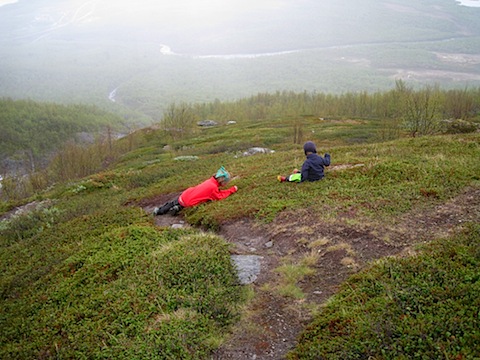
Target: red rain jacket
206,191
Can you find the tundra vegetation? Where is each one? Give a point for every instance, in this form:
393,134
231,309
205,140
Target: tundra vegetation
87,274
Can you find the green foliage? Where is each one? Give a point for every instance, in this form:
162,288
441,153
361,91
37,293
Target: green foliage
424,306
396,176
113,290
420,109
291,274
198,271
20,227
268,120
178,120
42,141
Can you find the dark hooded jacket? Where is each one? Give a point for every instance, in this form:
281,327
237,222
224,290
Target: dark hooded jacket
313,167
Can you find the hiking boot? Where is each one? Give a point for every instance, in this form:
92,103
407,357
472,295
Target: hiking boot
174,210
160,210
281,178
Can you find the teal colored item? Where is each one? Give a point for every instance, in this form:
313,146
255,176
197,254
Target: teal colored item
222,173
295,177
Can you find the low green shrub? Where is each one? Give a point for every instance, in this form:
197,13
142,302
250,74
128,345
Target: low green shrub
425,307
129,292
27,224
459,126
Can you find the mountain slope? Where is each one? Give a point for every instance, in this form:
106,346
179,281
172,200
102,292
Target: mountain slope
90,272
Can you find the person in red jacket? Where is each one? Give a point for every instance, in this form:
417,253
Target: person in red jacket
209,190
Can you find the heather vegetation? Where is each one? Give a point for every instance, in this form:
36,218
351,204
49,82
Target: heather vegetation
86,273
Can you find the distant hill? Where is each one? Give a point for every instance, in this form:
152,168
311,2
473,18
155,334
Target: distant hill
37,129
135,59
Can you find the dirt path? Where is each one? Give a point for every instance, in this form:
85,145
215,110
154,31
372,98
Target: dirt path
272,322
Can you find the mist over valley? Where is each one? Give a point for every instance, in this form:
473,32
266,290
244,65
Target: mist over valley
135,58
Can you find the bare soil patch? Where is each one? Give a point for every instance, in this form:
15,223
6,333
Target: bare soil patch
271,322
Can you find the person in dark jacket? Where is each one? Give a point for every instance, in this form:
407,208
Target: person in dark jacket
208,190
313,168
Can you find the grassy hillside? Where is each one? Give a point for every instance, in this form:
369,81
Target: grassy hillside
87,273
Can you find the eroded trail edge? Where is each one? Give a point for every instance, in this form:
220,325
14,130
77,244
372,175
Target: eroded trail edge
272,322
335,249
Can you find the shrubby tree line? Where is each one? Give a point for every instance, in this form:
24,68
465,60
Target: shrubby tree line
418,112
425,111
415,110
34,130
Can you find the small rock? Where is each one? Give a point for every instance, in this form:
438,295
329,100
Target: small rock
257,150
207,123
186,158
248,267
